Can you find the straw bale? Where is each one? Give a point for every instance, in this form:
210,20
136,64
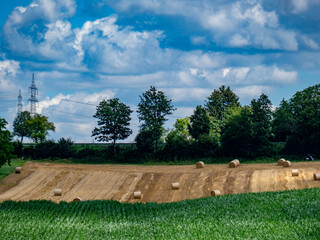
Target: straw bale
18,170
287,164
295,172
215,193
175,186
281,161
137,195
316,176
234,163
200,164
57,192
77,199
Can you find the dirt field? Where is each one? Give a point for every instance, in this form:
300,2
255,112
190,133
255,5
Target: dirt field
118,182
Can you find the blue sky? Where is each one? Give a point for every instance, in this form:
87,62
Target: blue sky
89,50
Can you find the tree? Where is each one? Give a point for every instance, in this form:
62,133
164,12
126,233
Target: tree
261,118
21,127
283,122
238,133
220,100
114,119
6,146
152,110
200,123
39,127
305,107
178,140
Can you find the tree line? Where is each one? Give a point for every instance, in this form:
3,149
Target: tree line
219,127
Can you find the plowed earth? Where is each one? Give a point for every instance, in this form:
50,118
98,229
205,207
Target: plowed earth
118,182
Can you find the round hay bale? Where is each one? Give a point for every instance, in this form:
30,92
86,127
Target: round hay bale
57,192
175,186
287,164
77,199
234,163
316,176
215,193
281,161
137,195
295,172
18,170
200,164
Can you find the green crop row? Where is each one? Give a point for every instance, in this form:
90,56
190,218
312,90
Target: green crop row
272,215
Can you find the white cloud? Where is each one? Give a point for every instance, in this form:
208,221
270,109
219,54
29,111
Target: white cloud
253,91
187,94
284,77
8,72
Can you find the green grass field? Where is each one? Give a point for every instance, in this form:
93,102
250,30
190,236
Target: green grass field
274,215
5,170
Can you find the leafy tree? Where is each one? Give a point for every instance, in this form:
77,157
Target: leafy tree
305,107
152,110
6,146
114,119
39,127
200,123
21,127
238,134
220,100
261,118
178,140
283,122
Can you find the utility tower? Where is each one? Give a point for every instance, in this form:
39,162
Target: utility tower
19,102
33,99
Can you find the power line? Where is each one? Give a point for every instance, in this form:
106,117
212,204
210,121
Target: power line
90,104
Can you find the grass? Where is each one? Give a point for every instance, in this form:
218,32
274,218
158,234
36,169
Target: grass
270,215
6,170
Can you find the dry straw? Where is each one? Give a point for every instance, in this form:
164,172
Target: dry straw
200,164
18,170
77,199
234,163
215,193
287,164
316,176
175,185
137,195
295,172
57,192
281,161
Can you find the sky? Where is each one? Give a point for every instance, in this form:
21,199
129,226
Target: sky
84,51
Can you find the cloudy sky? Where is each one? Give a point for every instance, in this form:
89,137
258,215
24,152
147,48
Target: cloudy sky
84,51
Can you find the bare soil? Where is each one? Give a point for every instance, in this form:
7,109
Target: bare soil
118,182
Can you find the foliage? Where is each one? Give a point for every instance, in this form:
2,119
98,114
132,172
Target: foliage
200,123
283,122
270,215
238,130
21,127
114,119
152,110
220,100
261,119
305,107
39,126
65,148
178,140
6,146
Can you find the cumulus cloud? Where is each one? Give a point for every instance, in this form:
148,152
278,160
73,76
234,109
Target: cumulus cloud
187,94
250,75
231,23
73,113
253,91
8,72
